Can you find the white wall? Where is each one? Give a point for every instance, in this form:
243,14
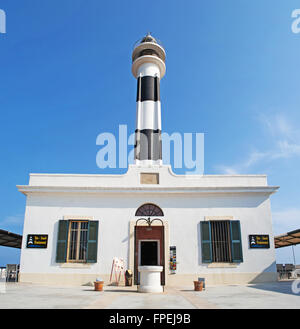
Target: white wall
114,213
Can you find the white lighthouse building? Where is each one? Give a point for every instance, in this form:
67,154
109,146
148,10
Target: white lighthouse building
218,227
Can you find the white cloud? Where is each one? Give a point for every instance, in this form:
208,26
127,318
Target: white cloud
239,168
286,145
12,220
286,220
287,149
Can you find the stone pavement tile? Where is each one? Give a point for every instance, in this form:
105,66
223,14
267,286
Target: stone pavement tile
31,296
150,301
276,295
194,297
129,298
109,294
269,295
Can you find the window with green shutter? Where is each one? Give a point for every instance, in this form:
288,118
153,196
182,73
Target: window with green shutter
92,244
62,241
221,242
236,241
206,242
77,241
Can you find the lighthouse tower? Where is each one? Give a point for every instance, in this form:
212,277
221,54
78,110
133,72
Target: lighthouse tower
148,67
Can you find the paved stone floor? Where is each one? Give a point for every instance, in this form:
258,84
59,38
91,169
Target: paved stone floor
268,295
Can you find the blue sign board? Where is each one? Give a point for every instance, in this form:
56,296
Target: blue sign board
259,241
37,241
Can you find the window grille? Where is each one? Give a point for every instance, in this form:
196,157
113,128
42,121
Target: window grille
149,210
78,241
221,242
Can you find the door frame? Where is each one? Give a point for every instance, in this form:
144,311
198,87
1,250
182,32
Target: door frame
131,255
161,233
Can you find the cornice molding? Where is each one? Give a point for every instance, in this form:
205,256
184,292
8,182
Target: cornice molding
27,189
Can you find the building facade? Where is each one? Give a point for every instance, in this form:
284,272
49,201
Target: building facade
218,227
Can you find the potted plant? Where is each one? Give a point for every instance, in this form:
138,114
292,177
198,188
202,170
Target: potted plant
198,285
99,284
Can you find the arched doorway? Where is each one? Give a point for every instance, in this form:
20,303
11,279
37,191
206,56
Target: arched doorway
149,239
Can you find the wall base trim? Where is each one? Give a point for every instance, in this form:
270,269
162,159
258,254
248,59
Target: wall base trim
71,279
173,279
221,278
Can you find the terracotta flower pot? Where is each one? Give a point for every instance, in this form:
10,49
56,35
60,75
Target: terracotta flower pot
198,285
98,285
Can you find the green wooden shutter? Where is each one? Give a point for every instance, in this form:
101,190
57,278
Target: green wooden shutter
206,242
62,241
92,244
236,241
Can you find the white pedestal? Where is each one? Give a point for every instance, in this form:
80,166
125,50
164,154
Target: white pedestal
150,279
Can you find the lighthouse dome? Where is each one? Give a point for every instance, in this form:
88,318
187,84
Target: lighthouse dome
148,38
148,50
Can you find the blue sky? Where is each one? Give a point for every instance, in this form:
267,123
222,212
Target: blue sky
232,73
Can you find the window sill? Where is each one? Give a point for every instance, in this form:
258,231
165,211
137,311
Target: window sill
75,265
222,265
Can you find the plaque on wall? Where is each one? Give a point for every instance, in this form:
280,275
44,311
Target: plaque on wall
259,241
149,178
37,241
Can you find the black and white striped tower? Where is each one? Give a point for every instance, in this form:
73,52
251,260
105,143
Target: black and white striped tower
148,67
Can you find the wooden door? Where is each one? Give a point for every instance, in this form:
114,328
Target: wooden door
152,233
